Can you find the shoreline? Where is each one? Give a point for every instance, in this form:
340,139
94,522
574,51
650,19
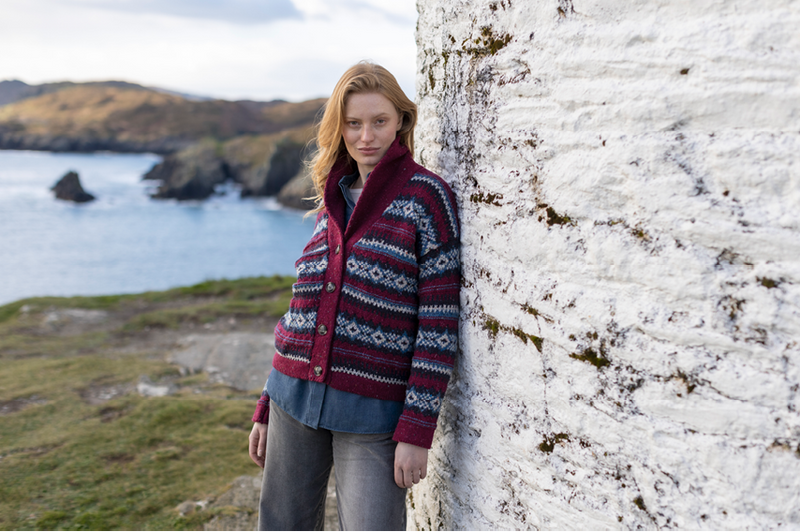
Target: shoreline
125,242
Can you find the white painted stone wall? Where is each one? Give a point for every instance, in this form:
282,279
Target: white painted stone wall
628,174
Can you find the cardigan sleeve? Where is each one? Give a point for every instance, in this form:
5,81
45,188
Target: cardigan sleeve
261,415
439,280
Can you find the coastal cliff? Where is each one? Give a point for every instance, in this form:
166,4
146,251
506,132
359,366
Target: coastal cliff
261,165
92,117
259,145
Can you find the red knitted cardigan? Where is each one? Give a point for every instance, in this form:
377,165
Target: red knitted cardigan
375,307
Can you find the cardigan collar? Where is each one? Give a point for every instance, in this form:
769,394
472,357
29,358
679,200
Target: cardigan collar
385,182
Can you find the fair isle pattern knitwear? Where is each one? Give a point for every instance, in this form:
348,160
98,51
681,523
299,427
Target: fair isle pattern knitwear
375,308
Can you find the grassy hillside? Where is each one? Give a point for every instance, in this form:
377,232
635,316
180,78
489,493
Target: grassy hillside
15,90
80,449
131,118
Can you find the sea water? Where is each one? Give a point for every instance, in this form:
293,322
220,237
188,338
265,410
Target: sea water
126,242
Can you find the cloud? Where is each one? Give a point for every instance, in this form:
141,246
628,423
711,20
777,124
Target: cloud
398,12
402,13
292,58
233,11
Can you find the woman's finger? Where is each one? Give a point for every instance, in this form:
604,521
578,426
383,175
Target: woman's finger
398,477
262,445
408,477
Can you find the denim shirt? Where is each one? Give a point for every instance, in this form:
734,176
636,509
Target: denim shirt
317,405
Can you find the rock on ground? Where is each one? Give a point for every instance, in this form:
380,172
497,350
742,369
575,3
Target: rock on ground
239,359
148,388
71,318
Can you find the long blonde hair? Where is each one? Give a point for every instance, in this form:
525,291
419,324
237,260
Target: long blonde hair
363,77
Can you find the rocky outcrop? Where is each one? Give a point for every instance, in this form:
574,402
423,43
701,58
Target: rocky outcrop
69,188
262,165
66,144
11,138
297,191
191,174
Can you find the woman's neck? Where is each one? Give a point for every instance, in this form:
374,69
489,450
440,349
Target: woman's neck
361,181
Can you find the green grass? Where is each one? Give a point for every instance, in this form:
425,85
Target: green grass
121,465
14,344
240,290
126,463
205,313
198,304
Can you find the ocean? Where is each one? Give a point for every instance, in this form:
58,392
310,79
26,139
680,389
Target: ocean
125,242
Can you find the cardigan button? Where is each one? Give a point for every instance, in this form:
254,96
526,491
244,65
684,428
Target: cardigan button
318,371
330,287
322,330
338,248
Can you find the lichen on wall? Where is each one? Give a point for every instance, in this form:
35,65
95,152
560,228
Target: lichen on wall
629,189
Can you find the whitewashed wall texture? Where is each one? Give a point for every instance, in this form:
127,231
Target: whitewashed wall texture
628,174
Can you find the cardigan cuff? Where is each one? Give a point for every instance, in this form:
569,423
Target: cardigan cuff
261,414
414,431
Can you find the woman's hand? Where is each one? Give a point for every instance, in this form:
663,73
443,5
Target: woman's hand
258,444
410,464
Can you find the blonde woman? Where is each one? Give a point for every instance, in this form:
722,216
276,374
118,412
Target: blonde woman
365,352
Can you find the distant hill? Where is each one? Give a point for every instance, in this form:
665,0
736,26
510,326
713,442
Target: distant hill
14,90
126,117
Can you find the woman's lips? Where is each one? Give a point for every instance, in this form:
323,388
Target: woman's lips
368,151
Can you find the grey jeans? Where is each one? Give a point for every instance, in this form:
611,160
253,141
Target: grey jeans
296,472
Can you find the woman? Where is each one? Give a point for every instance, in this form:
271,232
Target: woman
364,354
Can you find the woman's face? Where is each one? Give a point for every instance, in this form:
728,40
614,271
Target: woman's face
371,123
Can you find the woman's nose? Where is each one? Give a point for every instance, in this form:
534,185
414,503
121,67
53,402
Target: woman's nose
367,134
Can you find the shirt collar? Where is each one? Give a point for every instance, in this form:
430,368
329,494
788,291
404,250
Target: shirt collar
344,184
348,180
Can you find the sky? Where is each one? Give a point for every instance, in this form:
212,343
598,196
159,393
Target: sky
232,49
